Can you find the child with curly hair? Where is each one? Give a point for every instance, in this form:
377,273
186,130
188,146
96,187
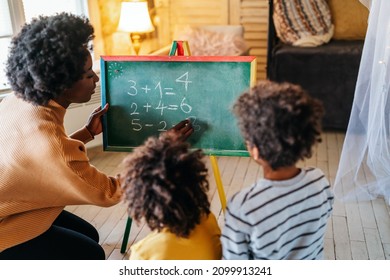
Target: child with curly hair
284,214
165,184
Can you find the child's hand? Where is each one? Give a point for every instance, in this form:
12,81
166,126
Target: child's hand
181,131
94,123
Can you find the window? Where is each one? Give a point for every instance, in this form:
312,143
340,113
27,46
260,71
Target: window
14,13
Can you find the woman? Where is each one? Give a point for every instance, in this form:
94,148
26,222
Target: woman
42,169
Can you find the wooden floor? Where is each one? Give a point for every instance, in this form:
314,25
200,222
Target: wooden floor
359,231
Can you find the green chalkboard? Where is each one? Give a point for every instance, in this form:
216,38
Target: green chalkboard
150,94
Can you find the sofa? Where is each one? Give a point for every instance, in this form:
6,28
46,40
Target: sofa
328,71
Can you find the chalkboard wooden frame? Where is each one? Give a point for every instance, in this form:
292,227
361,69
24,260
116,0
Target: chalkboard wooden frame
127,80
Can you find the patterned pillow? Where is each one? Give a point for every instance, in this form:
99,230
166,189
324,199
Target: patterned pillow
205,42
304,23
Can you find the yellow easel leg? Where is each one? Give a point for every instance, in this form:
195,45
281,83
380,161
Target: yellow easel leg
221,191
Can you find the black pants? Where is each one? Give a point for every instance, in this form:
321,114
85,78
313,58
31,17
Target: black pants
69,238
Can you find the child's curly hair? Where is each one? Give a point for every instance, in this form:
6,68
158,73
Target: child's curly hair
48,56
281,120
166,184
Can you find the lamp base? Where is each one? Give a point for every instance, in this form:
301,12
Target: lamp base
136,42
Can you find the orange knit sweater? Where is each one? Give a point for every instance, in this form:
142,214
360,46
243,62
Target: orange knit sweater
42,170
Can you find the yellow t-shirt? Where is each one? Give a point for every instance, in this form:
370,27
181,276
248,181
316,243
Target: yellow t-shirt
202,244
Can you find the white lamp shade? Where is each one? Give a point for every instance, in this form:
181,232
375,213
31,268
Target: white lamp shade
135,18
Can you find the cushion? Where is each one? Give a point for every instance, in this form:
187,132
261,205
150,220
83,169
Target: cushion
206,42
305,23
350,18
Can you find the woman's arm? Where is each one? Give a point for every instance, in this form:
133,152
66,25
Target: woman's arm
93,127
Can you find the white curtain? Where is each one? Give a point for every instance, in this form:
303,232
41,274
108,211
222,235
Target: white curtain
364,168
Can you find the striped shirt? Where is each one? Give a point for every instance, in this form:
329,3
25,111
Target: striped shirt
279,219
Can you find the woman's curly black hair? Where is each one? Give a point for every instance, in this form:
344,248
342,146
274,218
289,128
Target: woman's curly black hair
48,56
166,183
281,120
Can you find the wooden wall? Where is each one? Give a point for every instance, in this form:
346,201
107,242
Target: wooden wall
176,14
172,14
252,14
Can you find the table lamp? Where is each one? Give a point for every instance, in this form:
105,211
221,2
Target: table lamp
135,19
